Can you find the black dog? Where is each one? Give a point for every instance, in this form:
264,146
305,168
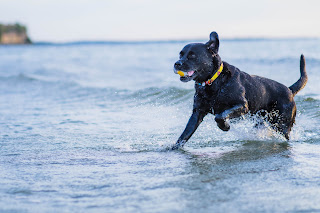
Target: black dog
227,92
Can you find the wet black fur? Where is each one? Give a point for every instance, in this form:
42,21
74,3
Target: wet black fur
234,93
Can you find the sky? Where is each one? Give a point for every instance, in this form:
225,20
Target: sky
136,20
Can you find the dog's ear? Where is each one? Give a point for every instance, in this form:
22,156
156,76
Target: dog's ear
213,43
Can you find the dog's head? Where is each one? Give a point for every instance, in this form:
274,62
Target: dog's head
199,61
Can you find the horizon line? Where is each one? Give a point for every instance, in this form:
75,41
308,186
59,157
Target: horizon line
137,41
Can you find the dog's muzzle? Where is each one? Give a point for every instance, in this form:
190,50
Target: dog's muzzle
184,74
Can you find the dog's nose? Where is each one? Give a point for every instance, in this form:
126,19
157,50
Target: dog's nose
178,63
177,66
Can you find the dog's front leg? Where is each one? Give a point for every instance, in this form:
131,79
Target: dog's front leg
233,112
193,123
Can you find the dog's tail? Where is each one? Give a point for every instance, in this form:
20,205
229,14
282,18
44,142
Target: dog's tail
301,83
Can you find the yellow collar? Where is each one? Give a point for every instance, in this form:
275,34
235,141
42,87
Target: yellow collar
214,77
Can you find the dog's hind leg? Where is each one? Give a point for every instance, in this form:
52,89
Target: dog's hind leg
261,119
284,119
287,123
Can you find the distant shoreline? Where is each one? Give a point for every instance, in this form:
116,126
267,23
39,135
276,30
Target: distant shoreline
39,43
12,34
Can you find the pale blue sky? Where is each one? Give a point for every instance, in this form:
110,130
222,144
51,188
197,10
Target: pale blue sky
72,20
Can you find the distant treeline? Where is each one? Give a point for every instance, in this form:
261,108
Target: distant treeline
12,28
13,34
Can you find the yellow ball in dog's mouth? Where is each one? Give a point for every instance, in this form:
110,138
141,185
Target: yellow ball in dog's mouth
181,73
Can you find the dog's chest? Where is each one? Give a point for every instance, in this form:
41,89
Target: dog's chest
211,99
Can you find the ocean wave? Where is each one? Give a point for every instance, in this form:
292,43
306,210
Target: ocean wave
71,91
158,96
20,77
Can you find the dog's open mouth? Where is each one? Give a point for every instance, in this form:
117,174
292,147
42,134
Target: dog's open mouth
186,76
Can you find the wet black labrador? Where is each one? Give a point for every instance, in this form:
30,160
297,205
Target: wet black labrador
227,92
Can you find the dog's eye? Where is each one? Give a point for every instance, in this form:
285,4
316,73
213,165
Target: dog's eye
181,54
191,56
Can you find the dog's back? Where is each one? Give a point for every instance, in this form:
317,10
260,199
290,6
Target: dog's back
260,92
264,93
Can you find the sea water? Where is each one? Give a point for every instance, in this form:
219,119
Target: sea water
86,127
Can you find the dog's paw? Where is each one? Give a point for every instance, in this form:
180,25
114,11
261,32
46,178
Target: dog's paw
225,126
178,145
175,147
222,123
